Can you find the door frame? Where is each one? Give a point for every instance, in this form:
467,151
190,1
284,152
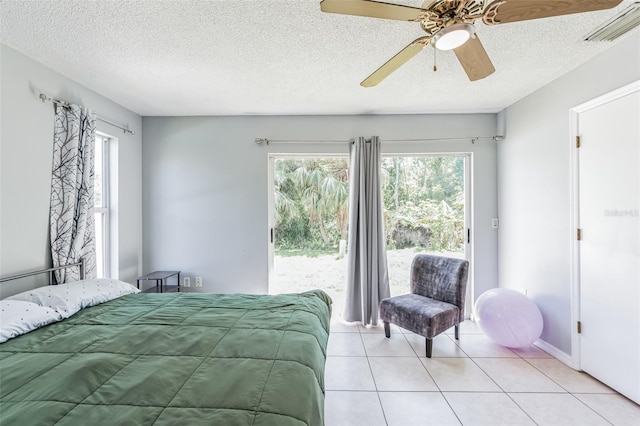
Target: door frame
574,359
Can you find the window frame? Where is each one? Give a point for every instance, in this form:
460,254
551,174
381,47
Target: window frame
102,143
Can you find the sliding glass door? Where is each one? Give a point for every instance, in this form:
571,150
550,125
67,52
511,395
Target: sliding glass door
426,209
308,224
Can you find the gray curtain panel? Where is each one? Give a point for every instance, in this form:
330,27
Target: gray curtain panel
367,276
71,220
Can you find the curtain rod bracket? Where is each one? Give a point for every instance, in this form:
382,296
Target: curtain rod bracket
261,141
45,98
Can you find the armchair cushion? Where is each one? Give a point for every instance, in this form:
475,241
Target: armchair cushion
422,315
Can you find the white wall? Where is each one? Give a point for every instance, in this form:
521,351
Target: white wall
534,184
26,140
205,187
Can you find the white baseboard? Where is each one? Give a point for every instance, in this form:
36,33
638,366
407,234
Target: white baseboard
557,353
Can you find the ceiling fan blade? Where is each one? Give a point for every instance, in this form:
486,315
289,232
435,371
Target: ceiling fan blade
371,9
474,59
396,62
504,11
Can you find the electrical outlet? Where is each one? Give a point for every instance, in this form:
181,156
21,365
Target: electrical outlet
186,281
198,281
494,223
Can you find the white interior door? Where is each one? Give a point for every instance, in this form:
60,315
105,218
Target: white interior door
609,256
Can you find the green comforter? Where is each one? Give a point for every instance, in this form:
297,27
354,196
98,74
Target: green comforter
172,359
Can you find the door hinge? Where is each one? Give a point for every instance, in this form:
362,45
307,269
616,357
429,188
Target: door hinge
579,327
577,141
579,234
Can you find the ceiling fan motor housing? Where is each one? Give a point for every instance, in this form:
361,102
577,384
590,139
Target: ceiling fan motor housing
445,13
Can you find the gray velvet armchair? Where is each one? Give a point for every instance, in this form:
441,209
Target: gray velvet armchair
436,301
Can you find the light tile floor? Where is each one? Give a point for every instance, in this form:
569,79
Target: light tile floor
371,380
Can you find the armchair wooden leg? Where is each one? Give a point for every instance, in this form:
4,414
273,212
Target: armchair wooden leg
457,332
429,347
387,329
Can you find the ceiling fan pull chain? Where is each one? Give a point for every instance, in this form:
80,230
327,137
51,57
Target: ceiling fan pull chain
435,66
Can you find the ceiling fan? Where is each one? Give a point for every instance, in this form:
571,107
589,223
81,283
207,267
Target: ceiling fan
449,25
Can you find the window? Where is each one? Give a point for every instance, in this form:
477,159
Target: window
101,207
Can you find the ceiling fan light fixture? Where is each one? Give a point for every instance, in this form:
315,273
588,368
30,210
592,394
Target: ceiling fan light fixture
453,36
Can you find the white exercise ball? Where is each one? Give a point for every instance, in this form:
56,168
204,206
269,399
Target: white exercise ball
508,317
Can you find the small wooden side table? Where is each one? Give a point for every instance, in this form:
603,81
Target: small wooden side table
160,277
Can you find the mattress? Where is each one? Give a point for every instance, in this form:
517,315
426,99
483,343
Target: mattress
173,359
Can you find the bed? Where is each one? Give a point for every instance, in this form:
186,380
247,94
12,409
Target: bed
172,358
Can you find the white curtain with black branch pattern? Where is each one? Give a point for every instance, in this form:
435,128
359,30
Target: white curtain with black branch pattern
367,275
72,223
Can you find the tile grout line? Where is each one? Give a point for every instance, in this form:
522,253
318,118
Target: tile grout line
440,390
565,389
373,377
494,381
503,391
490,378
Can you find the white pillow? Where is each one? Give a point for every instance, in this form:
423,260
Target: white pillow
67,299
18,317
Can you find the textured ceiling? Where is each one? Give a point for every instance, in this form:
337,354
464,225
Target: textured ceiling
241,57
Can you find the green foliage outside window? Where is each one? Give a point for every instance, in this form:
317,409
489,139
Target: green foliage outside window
423,203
